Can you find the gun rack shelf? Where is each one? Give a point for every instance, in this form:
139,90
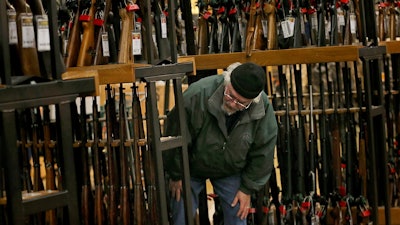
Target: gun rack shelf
279,57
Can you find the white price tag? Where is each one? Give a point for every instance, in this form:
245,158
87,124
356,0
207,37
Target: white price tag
12,27
265,27
288,27
28,32
136,43
43,33
105,44
353,23
163,20
340,18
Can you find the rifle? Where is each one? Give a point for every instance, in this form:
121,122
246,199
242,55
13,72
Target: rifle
312,142
50,175
300,178
126,13
160,24
139,207
392,21
234,32
213,20
259,39
85,56
112,200
26,48
41,23
124,203
73,39
269,9
26,166
86,190
381,21
225,8
203,28
98,198
102,51
250,29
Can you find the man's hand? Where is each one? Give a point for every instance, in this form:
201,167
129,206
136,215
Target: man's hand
244,203
176,188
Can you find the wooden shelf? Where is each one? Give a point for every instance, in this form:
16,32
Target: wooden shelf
307,55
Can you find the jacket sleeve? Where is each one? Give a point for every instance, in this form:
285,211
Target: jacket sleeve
260,158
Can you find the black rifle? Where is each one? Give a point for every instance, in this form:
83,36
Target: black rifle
234,15
213,20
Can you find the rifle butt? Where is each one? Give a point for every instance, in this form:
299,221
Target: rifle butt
73,45
98,204
125,211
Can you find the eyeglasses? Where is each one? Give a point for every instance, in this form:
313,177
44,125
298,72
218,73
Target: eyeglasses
232,99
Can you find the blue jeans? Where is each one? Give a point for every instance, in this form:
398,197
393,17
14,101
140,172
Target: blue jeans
226,189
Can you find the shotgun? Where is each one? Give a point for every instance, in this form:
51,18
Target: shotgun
270,13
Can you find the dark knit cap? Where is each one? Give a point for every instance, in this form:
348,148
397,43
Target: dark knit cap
248,80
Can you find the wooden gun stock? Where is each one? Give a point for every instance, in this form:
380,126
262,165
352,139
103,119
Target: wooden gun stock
381,24
269,11
43,56
259,42
202,46
251,24
87,44
74,42
392,22
28,57
139,207
125,43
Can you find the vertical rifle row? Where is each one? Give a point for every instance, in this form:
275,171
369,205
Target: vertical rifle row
322,175
117,182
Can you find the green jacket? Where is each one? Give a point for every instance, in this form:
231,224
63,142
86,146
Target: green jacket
248,149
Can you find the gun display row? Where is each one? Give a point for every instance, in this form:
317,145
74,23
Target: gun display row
322,160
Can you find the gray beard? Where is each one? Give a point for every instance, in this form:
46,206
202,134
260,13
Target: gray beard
227,110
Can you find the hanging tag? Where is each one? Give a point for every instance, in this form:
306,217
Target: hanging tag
265,27
12,27
105,44
314,21
136,43
27,30
353,23
163,20
340,18
327,29
43,33
288,27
